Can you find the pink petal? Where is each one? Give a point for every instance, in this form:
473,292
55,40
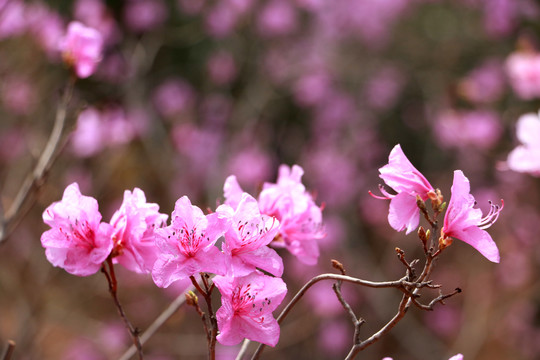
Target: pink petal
481,241
404,213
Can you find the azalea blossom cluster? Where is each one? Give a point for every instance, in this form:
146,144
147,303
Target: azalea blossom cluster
462,220
247,271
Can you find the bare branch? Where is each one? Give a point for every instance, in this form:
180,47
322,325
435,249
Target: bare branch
26,195
9,350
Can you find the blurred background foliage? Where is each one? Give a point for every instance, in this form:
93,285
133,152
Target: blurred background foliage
191,91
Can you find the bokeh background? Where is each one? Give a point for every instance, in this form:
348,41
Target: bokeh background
191,91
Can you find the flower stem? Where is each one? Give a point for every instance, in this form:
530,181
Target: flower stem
113,285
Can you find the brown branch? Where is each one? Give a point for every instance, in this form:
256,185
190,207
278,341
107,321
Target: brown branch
438,299
26,196
9,350
401,284
111,279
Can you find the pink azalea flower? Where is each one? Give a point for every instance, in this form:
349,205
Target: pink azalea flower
299,216
408,182
232,191
82,48
466,223
133,235
247,306
246,239
457,357
186,247
526,157
77,241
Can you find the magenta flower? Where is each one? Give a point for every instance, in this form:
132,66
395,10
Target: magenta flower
408,182
247,306
466,223
134,224
77,241
82,48
526,157
300,218
246,240
186,247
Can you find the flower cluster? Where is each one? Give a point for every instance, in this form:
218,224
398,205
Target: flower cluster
137,238
462,221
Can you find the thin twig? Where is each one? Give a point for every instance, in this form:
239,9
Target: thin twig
9,350
438,299
399,284
111,278
35,180
160,320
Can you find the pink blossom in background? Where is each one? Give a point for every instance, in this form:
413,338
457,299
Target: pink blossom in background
247,306
477,128
173,97
526,157
222,68
523,70
500,16
186,247
96,14
46,26
144,15
87,139
299,216
82,48
332,174
466,223
77,241
83,349
97,130
409,183
384,87
221,20
199,145
277,18
245,241
18,95
134,224
334,336
457,357
12,19
311,88
484,84
250,165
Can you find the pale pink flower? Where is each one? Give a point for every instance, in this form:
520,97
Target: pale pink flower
523,69
464,222
82,48
96,14
77,241
246,240
409,183
300,218
247,306
457,357
134,224
526,157
186,247
232,191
